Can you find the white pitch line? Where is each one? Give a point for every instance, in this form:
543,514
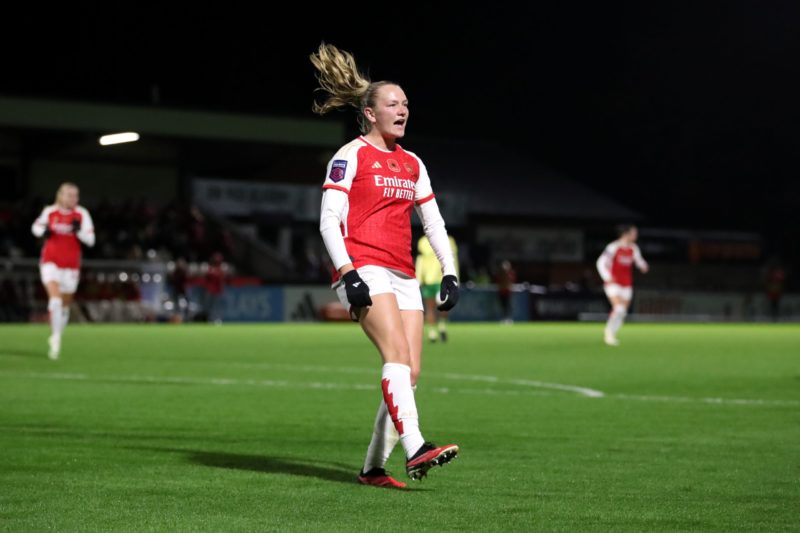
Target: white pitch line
180,380
718,401
172,380
583,391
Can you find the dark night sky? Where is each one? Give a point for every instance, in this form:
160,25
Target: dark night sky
687,113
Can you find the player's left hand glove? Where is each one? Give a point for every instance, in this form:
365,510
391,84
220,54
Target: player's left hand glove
76,226
448,295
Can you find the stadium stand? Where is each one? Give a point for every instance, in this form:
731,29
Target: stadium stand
249,189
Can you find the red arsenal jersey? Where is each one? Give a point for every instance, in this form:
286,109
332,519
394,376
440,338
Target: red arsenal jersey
617,263
63,247
382,187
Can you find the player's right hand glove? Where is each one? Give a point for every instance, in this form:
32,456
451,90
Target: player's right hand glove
357,291
448,294
47,233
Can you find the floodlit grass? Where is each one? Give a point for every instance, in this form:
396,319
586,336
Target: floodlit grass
264,428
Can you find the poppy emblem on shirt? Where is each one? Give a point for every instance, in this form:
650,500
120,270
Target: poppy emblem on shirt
337,170
393,165
409,168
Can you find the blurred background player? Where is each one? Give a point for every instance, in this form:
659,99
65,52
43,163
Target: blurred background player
615,266
371,186
429,275
215,286
63,225
505,281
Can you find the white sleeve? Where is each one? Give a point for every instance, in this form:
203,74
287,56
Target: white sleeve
342,167
637,258
86,231
433,224
604,263
40,224
424,190
333,212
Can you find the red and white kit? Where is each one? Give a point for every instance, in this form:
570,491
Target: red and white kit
61,255
615,266
369,195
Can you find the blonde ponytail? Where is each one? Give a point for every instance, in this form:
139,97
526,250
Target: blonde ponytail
339,77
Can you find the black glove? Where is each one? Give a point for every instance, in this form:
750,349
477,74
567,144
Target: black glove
448,295
357,290
47,233
76,226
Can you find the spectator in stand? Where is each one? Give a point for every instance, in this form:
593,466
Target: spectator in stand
177,280
775,280
215,286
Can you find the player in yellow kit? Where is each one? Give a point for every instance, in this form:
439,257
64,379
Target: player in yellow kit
429,275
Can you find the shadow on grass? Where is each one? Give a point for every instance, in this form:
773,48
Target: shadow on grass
271,465
335,472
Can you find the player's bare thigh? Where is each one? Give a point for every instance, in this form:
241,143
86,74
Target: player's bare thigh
618,300
52,288
383,324
59,283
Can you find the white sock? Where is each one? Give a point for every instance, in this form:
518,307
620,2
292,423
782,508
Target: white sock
442,325
400,403
54,305
384,438
616,318
64,317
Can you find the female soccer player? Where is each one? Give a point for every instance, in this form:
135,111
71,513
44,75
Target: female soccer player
615,266
64,225
371,186
429,275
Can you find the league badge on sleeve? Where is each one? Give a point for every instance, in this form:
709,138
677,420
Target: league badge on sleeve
337,170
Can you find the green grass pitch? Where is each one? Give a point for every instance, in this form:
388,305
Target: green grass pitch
264,427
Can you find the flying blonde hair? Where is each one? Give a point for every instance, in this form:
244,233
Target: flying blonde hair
345,85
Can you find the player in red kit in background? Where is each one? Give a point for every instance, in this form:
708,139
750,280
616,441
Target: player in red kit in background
63,225
615,266
372,184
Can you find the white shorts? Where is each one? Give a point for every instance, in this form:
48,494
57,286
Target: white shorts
381,280
618,291
67,278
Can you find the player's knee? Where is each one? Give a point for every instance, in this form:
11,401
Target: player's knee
398,353
621,309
